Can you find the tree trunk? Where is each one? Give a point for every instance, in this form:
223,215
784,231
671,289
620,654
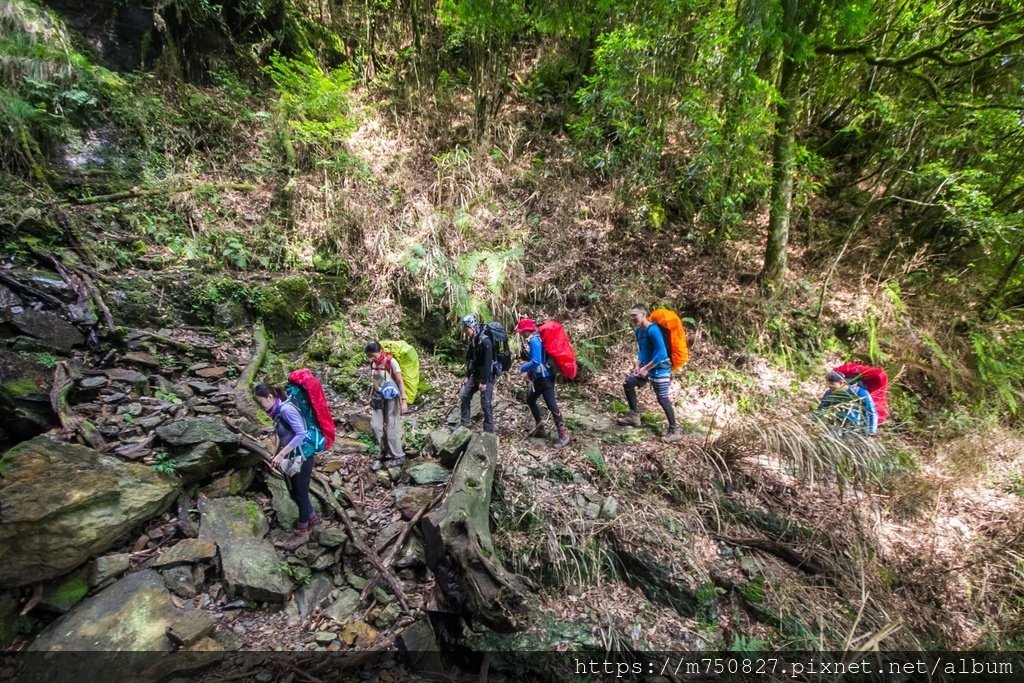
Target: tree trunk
799,18
783,162
470,580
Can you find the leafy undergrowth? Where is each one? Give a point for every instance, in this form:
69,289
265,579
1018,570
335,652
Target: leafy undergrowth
722,541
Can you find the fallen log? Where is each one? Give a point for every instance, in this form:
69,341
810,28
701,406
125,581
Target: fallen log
470,580
86,289
243,387
171,188
97,299
63,380
72,237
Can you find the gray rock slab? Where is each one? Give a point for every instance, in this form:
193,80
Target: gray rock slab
47,530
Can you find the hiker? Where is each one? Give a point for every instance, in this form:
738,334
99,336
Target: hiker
652,365
538,369
848,405
479,371
298,468
387,404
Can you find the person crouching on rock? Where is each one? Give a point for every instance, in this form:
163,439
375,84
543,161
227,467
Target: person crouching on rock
387,403
298,470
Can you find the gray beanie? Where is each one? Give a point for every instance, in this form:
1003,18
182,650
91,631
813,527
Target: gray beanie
833,376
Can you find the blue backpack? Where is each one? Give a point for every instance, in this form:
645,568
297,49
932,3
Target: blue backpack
315,442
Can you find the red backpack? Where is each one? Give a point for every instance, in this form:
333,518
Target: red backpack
317,401
557,346
874,380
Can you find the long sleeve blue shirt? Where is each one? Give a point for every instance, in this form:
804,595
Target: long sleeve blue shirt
536,364
651,348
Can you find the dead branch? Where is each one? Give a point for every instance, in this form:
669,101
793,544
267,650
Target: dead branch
372,557
783,552
63,380
399,541
30,290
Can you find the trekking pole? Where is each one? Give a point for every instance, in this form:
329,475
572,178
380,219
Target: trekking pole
384,427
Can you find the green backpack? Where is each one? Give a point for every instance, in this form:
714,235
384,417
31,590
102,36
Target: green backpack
408,361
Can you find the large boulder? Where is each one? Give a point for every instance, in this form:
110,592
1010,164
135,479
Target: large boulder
201,461
127,622
132,614
409,500
453,447
250,564
284,507
426,473
252,570
64,504
48,330
223,520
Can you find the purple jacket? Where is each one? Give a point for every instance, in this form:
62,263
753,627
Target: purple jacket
288,423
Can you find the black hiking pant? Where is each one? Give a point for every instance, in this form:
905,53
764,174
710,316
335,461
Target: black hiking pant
299,490
544,386
472,386
660,385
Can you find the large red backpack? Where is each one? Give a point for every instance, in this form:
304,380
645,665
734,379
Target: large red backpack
557,346
874,380
317,401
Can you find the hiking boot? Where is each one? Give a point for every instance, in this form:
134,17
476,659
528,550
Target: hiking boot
631,420
315,520
537,431
294,541
394,462
673,435
563,438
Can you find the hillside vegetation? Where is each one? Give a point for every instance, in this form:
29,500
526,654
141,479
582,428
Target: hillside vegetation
805,182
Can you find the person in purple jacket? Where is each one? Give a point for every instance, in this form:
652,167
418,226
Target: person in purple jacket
291,431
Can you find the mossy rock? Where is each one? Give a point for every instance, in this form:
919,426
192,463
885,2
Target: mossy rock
33,222
131,615
64,594
88,501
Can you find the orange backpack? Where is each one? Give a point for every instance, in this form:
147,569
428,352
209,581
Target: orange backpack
675,336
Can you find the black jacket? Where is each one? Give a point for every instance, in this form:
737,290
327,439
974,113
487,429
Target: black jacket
480,357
